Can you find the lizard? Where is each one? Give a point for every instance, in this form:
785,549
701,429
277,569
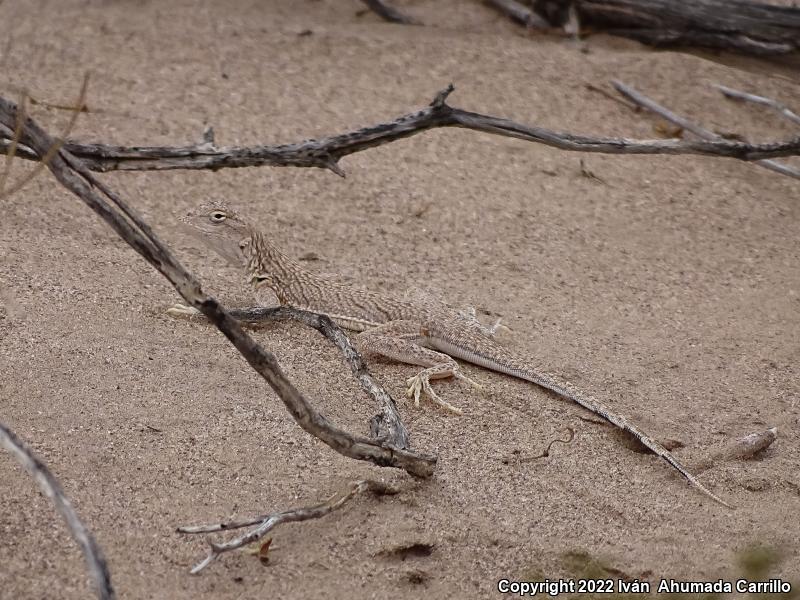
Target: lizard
420,331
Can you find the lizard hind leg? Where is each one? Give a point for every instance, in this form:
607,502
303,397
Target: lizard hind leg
421,382
404,341
468,314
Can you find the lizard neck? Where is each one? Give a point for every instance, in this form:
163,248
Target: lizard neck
268,266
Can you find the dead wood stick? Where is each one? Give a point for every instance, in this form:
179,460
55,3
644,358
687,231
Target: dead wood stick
742,448
98,569
784,110
744,26
326,152
519,13
390,13
694,128
388,425
266,523
71,173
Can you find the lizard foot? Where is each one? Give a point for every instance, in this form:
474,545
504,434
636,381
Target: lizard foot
420,383
470,314
497,326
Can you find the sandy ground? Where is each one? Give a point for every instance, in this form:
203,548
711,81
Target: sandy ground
670,287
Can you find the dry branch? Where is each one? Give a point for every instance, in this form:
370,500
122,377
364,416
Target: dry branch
98,569
76,110
519,13
389,13
740,26
71,173
784,110
701,132
388,425
327,152
266,523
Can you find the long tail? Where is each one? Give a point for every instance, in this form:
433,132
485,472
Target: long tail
562,388
502,361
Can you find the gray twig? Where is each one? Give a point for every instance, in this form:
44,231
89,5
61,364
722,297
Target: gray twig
98,568
519,13
266,523
764,101
693,127
388,425
389,13
328,151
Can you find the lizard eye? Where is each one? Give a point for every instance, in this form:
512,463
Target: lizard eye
217,216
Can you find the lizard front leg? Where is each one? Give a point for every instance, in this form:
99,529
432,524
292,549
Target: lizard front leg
250,315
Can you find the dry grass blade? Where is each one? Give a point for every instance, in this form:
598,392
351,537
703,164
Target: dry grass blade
12,150
51,152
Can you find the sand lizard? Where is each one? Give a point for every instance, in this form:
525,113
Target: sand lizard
421,331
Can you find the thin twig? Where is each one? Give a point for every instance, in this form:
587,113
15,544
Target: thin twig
519,13
266,523
388,425
71,173
14,144
594,88
98,569
784,110
327,152
693,127
546,453
389,13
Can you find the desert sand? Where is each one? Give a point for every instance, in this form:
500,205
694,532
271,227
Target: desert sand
668,286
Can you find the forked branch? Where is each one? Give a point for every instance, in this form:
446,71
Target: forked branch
71,173
648,103
266,523
388,425
328,151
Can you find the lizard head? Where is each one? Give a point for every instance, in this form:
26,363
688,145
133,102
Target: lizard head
221,228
